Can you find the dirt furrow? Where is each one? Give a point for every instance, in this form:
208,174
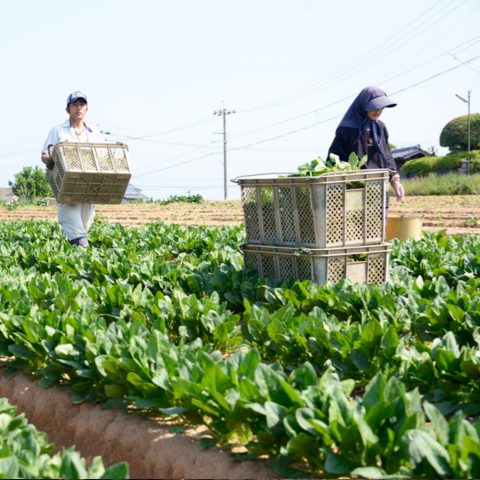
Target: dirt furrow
151,447
455,214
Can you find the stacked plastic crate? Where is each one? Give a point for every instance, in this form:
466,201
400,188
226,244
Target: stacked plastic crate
321,228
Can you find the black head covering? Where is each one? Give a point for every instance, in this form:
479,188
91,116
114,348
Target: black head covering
369,99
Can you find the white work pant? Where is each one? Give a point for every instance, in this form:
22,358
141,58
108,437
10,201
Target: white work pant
76,219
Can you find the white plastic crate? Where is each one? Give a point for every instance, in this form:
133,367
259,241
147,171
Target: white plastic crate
331,210
89,172
362,264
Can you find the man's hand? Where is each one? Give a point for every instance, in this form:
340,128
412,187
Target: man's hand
48,160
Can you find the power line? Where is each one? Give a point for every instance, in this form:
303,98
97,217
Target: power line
175,165
466,64
179,155
417,66
175,144
471,41
147,137
306,127
435,75
365,61
164,132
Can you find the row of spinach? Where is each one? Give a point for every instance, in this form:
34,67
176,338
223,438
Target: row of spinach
352,379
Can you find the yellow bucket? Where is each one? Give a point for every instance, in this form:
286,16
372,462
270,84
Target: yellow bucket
404,227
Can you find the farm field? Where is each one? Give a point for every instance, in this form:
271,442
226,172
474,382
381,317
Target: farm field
332,380
456,214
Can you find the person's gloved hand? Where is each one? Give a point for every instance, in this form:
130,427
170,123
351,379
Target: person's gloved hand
398,187
50,163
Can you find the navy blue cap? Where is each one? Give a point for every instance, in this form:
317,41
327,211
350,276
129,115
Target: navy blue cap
74,96
380,102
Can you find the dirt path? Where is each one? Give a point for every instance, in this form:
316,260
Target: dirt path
455,214
151,448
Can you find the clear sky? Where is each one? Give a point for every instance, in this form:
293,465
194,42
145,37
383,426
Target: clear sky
156,70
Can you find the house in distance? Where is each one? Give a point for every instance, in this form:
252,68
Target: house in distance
402,155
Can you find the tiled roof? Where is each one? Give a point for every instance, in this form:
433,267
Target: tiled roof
408,152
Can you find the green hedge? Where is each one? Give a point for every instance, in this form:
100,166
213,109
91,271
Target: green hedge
419,166
454,135
426,165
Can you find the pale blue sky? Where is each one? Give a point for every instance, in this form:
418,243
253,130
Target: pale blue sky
158,69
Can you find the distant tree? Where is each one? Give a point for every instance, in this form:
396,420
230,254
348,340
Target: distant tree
31,183
454,134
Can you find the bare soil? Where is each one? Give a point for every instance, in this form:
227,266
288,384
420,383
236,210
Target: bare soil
456,214
150,447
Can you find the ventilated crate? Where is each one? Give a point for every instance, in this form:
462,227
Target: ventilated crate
331,210
363,264
89,172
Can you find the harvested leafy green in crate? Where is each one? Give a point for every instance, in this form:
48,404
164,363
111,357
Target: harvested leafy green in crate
89,172
318,166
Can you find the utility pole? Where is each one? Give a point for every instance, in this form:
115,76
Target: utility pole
468,127
224,112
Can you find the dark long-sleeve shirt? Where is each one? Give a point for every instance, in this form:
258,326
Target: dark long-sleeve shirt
348,140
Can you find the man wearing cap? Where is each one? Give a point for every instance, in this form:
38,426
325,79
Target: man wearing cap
360,131
75,219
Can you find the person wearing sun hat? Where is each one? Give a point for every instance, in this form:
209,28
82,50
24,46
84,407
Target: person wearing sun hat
360,131
75,219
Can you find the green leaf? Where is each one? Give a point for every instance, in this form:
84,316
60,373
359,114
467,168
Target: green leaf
359,359
172,411
457,313
256,407
304,376
72,465
274,413
292,393
117,471
390,341
113,390
374,392
438,422
371,332
9,467
141,385
424,448
370,472
248,390
66,350
206,443
21,351
303,416
336,464
303,446
5,420
363,161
